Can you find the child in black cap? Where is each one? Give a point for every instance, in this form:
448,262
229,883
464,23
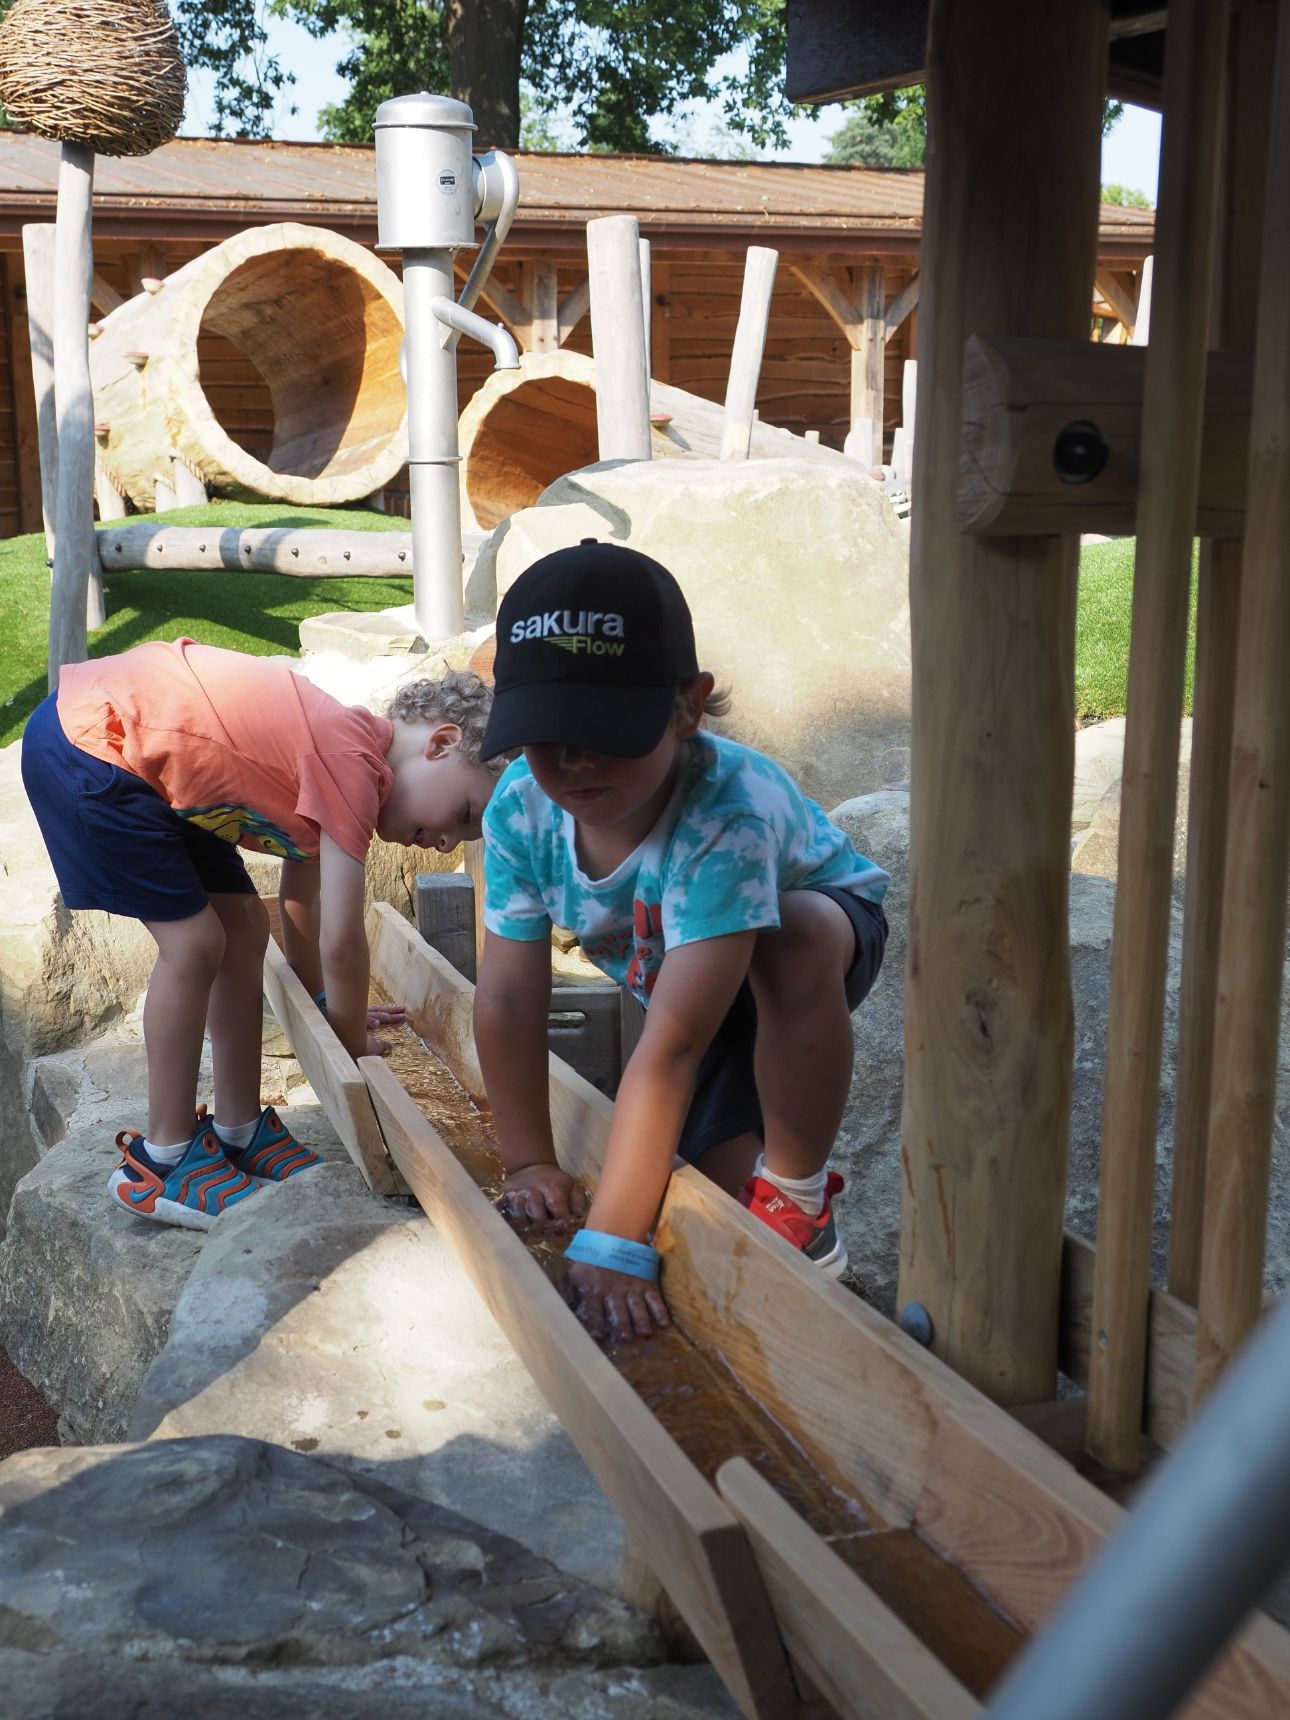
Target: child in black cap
695,873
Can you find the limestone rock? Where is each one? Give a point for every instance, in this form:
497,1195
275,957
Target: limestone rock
87,1290
226,1576
868,1151
797,575
342,1325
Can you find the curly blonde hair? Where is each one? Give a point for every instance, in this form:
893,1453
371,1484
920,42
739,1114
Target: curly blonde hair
459,696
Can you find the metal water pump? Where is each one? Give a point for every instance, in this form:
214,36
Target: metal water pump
430,193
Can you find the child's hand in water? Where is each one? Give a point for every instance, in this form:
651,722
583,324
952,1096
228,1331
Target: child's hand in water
381,1015
542,1191
615,1304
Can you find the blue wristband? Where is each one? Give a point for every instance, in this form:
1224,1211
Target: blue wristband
320,998
599,1248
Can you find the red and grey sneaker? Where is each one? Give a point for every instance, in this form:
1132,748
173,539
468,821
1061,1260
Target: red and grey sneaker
192,1193
273,1153
817,1238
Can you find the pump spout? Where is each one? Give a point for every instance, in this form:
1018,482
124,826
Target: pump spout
492,335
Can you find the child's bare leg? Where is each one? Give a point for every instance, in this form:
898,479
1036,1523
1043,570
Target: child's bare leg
805,1046
730,1163
189,953
235,1016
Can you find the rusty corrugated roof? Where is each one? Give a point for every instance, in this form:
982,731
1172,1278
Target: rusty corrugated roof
206,179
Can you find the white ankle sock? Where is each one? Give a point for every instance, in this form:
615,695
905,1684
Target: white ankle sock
165,1155
241,1136
808,1192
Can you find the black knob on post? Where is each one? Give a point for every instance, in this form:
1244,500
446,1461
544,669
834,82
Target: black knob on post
1079,453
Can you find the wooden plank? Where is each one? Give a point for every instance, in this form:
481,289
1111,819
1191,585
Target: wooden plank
445,917
850,1644
901,306
1020,394
1120,301
988,1017
743,1295
1171,1344
1251,56
574,308
1172,416
332,1073
103,295
690,1539
661,322
820,281
1247,1016
1026,1543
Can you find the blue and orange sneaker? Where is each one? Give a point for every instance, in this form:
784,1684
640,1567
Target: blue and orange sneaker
816,1238
272,1154
192,1193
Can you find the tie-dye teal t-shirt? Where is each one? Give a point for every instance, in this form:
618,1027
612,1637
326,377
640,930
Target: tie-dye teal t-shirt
736,832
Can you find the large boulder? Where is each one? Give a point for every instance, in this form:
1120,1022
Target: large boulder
87,1291
335,1323
797,574
229,1578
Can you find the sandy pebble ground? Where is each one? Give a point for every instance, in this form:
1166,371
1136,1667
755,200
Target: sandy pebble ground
25,1418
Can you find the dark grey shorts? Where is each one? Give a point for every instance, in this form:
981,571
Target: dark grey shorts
725,1102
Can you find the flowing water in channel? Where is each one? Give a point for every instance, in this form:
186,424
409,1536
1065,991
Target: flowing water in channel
703,1407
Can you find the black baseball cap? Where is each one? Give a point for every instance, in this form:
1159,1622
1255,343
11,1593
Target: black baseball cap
592,644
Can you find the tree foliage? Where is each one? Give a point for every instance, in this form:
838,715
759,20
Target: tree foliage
1127,196
610,65
890,129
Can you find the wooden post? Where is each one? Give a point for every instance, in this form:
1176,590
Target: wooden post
864,443
542,304
1248,1014
622,391
1251,53
26,435
38,262
76,595
189,490
1172,416
660,340
647,295
745,358
1142,324
110,501
988,1018
445,910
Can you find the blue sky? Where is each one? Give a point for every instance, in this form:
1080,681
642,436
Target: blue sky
1130,155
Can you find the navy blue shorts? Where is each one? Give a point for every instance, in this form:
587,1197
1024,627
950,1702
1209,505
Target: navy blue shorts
113,841
725,1102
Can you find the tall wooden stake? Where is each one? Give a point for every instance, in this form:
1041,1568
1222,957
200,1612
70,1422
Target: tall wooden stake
76,595
988,1001
1248,1016
760,264
618,337
1236,285
1172,415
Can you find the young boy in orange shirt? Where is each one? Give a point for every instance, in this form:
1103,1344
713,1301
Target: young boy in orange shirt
147,771
698,875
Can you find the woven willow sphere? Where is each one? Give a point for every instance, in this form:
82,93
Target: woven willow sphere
105,73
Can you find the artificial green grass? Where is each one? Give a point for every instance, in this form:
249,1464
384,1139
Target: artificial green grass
258,613
1102,627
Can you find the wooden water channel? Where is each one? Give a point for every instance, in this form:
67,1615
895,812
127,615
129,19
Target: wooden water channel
830,1509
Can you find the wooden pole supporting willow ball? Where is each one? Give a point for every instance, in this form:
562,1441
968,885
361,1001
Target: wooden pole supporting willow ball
99,77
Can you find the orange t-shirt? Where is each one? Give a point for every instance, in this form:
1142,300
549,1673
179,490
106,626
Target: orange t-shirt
238,745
